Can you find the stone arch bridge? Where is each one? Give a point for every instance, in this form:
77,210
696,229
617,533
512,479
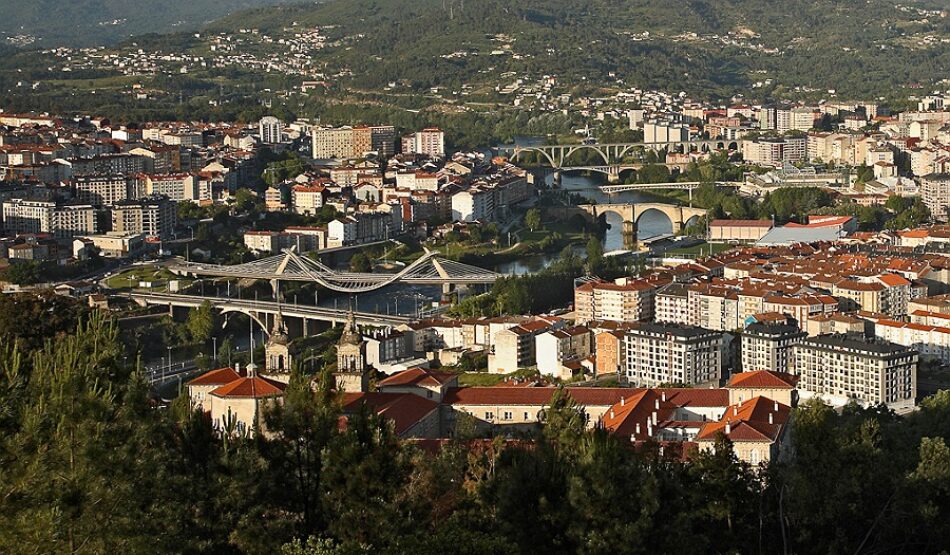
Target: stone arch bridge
630,213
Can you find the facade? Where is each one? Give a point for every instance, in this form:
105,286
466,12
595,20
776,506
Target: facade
429,141
101,190
935,192
769,346
841,369
329,143
630,300
154,216
23,216
663,354
557,349
474,203
271,130
739,230
308,199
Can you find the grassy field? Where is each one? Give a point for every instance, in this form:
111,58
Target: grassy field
158,276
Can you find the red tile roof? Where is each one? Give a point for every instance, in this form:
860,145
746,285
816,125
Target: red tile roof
404,410
763,379
221,376
253,387
749,421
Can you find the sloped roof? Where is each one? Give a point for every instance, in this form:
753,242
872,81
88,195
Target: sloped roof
763,379
252,387
749,421
221,376
588,396
403,409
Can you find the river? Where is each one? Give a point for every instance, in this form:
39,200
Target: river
651,223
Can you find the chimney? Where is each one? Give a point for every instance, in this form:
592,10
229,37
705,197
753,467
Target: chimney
638,427
728,428
649,430
654,418
770,419
656,404
623,401
237,368
663,396
611,413
633,438
735,411
776,406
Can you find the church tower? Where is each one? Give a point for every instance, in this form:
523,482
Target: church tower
277,358
351,373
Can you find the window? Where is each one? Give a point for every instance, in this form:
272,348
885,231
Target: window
489,416
508,415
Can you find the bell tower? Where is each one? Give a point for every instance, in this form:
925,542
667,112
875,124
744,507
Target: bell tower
277,357
351,373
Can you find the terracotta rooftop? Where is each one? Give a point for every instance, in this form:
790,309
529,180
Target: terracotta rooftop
221,376
763,379
252,387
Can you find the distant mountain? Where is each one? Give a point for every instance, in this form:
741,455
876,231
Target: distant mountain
866,46
100,22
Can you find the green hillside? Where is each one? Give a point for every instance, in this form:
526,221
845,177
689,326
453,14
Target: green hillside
97,22
860,46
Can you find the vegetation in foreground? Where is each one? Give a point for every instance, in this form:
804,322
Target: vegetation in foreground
89,465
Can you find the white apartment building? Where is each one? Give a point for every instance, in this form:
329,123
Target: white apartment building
74,219
556,349
671,305
101,190
840,369
474,203
331,143
28,216
769,347
931,342
178,187
307,199
665,132
662,354
626,300
271,130
154,216
429,141
935,192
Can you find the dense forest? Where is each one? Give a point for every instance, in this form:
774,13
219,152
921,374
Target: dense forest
88,464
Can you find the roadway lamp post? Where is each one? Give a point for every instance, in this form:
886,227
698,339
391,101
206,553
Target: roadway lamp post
214,352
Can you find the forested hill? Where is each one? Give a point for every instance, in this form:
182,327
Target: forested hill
99,22
725,45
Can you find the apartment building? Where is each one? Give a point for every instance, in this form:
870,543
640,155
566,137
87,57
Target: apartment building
935,192
153,216
626,300
429,141
101,190
178,186
769,346
308,199
663,354
474,203
513,346
841,369
560,352
329,143
671,304
271,130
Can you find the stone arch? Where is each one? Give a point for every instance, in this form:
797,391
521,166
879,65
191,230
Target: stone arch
657,210
566,157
